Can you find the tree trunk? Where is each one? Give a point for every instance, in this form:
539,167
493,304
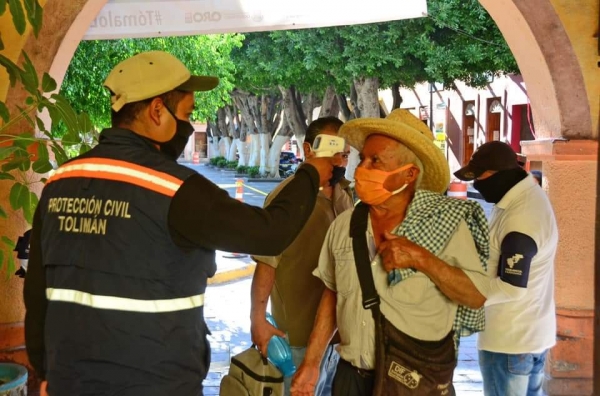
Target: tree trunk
345,112
284,134
265,141
241,149
292,115
222,126
274,114
397,98
309,104
254,108
367,93
224,146
278,142
297,96
367,100
330,105
354,101
234,129
224,141
213,139
246,104
264,133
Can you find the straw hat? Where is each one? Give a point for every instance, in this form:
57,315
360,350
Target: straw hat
407,129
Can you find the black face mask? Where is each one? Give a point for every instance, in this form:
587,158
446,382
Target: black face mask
496,186
338,174
174,147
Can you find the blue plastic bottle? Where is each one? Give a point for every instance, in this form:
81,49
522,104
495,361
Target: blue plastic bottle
279,352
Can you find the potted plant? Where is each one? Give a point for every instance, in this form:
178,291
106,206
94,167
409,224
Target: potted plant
13,379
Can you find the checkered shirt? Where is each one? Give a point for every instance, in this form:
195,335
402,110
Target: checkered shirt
430,221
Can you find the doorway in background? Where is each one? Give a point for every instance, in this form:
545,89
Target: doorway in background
468,130
494,111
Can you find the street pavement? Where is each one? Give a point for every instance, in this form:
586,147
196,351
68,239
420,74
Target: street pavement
227,301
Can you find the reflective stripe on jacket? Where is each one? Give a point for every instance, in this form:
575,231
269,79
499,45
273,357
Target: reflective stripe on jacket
125,312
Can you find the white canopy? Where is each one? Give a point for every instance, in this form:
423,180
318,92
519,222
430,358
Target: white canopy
141,18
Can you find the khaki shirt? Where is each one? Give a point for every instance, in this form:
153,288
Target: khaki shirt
296,294
415,305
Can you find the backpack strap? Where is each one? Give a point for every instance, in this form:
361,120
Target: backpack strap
371,300
358,229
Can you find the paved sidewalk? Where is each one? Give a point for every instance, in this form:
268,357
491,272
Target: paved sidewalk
232,266
227,311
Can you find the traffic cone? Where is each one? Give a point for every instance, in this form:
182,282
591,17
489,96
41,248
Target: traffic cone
458,190
239,190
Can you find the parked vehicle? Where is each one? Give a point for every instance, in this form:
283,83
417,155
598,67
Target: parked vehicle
287,158
288,162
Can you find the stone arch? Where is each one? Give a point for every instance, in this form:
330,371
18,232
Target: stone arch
549,65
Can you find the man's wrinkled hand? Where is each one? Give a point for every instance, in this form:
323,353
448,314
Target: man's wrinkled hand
305,380
398,252
262,332
324,166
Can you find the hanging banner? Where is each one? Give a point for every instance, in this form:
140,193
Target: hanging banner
140,18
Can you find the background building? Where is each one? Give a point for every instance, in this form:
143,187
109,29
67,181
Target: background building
464,118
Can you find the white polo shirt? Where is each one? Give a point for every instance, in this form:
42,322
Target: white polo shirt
522,320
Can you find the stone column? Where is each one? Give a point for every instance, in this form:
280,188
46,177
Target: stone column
569,178
63,26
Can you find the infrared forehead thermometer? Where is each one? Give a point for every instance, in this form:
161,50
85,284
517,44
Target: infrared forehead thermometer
328,145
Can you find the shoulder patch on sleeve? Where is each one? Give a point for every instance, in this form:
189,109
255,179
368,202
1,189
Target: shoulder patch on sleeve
517,252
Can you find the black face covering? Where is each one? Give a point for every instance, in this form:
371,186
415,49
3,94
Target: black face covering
338,174
174,147
496,186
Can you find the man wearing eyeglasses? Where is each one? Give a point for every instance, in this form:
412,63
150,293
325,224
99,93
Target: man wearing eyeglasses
296,292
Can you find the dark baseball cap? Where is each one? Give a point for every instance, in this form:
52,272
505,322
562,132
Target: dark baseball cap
494,156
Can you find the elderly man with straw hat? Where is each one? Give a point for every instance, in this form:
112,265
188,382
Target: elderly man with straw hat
413,257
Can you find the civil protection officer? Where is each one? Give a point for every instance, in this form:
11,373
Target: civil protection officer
124,239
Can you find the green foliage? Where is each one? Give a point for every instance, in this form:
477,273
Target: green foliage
253,171
221,162
231,165
215,160
241,169
93,60
24,158
457,41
